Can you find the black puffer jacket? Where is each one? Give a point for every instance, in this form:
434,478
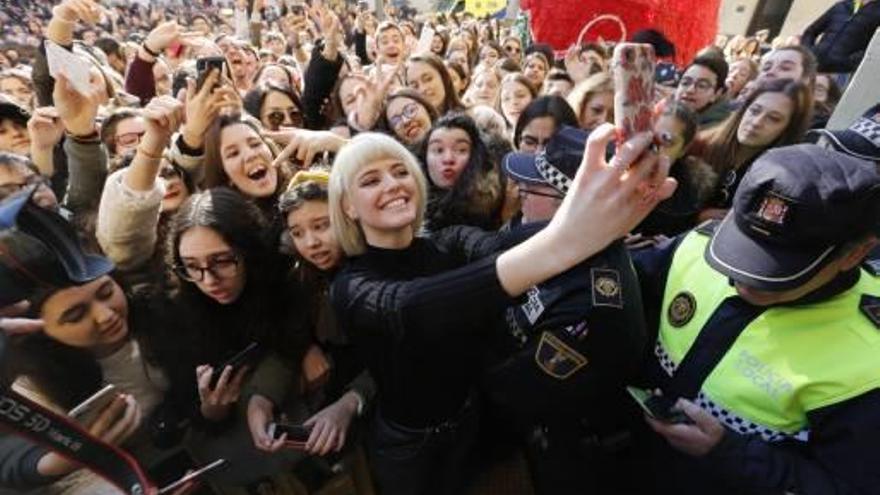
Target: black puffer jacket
845,36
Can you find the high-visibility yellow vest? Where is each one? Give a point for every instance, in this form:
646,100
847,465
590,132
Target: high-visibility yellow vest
786,362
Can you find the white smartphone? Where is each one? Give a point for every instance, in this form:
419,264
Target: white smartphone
191,476
87,412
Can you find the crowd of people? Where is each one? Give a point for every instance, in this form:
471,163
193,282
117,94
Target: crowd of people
418,242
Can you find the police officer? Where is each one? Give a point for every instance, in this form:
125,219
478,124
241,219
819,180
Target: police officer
569,346
768,335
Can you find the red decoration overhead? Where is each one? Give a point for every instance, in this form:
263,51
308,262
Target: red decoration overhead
690,24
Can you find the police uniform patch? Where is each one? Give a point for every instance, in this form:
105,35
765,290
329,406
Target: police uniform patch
606,287
681,309
533,308
556,358
870,307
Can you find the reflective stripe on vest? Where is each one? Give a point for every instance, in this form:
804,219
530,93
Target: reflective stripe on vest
787,362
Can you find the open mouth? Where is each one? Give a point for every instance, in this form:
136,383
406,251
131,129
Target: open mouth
258,173
395,204
412,130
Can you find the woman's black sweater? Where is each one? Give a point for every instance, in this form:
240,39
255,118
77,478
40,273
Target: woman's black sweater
421,317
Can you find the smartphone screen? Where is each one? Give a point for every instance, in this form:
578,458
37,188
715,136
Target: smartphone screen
295,433
657,408
247,356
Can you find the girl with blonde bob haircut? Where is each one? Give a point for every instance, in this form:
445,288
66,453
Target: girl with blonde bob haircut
419,309
364,149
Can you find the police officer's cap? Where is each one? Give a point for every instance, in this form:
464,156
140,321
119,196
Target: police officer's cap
555,166
40,252
794,209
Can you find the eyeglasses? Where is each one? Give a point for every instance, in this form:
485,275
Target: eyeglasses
409,112
14,187
129,138
276,118
220,267
699,84
522,191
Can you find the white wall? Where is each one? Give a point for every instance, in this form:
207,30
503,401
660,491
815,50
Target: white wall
734,16
802,14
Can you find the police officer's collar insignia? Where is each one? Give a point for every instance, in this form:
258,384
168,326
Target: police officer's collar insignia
872,266
681,309
870,306
556,358
606,287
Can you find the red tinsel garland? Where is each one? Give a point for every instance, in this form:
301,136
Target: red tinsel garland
690,24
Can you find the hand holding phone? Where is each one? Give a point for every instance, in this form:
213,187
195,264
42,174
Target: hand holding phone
658,407
88,411
295,436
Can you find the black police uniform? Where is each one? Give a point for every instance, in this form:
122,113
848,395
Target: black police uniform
568,350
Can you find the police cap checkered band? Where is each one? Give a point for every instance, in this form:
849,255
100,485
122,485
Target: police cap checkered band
552,175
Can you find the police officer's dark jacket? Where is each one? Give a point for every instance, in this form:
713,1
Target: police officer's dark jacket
570,344
834,454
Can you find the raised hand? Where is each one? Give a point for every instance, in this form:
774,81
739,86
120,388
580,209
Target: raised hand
162,116
162,36
304,145
78,111
204,105
216,401
72,11
45,128
370,96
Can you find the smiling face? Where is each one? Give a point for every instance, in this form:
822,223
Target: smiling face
384,199
92,316
207,256
765,120
309,228
426,80
739,75
449,150
408,119
514,99
14,137
348,94
389,43
247,161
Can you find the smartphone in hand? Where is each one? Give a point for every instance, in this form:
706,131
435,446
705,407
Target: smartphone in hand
88,411
297,435
249,356
658,407
205,65
633,68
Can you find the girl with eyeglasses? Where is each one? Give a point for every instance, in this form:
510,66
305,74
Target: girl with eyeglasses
409,116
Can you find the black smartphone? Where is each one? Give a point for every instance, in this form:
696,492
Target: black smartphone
657,407
295,433
246,357
204,66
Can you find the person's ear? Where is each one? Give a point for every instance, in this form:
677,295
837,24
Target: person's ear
857,253
349,210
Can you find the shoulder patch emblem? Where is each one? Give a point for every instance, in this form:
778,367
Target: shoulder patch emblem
606,287
872,266
681,309
870,307
556,358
